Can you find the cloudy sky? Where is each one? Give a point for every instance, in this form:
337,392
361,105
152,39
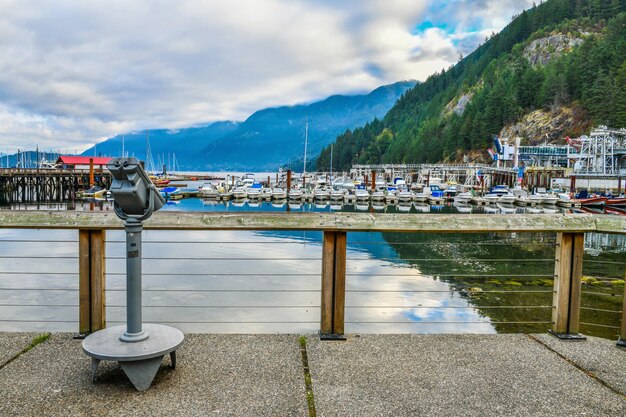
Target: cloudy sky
76,72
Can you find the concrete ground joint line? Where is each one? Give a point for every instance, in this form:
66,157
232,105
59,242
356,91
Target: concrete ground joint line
42,338
587,372
308,382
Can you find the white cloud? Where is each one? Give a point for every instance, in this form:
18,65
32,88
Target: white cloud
69,69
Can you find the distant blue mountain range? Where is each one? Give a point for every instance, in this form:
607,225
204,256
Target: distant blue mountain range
268,139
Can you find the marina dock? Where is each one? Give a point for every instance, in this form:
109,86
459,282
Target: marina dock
366,375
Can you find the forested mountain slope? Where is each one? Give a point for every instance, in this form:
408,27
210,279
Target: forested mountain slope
560,67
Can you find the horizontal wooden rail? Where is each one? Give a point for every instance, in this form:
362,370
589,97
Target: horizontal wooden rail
353,222
570,229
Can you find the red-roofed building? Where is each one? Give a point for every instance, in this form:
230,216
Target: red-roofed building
82,162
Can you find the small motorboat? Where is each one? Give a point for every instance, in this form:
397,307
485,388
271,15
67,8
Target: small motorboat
421,197
266,193
462,198
491,198
159,182
564,200
239,193
597,202
450,191
278,193
391,197
378,195
362,194
321,193
507,198
207,190
337,195
550,199
405,196
169,192
295,194
254,193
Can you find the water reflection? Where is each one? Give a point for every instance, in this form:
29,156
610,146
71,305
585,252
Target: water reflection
229,281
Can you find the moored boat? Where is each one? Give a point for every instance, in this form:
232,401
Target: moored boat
337,195
378,195
593,201
550,199
507,198
239,193
491,198
564,200
616,202
405,196
207,190
362,194
462,198
169,192
321,193
279,193
420,197
295,194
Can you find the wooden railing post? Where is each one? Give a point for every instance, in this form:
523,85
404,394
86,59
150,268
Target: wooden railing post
622,333
333,285
91,267
567,286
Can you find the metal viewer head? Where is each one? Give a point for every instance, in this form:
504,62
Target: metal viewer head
135,196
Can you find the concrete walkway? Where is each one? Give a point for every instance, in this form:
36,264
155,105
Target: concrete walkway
370,375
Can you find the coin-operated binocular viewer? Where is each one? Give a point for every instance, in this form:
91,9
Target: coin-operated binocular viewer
138,348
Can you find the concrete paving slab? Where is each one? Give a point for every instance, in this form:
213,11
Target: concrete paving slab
599,356
225,375
451,375
12,344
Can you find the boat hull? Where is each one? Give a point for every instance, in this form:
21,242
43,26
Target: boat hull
593,202
616,202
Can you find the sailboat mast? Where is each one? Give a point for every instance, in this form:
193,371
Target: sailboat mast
331,162
147,151
306,139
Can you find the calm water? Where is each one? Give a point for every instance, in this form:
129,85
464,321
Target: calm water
240,282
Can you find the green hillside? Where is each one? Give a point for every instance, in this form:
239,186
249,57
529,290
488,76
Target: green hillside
561,55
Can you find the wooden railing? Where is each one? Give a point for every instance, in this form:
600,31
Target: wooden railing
570,230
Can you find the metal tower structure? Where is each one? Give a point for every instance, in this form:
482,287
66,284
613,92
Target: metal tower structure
602,153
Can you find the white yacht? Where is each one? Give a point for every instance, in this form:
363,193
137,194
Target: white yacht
337,195
404,195
239,193
321,193
507,198
362,194
462,198
279,193
421,197
295,194
207,190
378,195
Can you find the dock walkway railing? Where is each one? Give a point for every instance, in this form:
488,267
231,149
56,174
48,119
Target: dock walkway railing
569,229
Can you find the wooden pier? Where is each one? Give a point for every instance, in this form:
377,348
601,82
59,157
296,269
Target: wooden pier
47,185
